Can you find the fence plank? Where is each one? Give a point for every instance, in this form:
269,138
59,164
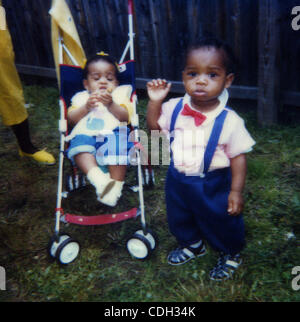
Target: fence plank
268,82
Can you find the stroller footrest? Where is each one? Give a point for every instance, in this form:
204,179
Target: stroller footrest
101,219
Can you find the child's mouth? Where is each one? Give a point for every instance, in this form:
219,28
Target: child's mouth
200,92
103,89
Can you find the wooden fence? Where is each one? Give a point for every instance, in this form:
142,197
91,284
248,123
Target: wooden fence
259,31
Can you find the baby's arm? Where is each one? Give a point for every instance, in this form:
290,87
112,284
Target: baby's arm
75,115
118,111
157,91
238,166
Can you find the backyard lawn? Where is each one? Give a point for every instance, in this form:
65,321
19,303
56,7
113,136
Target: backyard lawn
104,270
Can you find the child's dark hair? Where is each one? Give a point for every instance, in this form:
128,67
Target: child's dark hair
97,58
229,58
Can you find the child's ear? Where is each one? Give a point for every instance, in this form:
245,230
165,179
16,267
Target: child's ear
229,80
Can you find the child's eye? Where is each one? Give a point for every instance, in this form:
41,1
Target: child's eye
212,75
192,74
110,77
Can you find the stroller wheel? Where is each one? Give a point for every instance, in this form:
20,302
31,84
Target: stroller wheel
53,244
140,245
65,250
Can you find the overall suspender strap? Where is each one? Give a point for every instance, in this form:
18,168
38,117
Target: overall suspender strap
176,111
213,140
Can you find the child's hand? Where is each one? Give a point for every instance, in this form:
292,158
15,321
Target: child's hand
102,96
235,203
105,98
92,101
158,89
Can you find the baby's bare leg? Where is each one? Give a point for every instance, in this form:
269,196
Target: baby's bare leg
117,172
85,161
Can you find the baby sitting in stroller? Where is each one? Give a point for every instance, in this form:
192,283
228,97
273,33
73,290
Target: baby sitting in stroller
100,115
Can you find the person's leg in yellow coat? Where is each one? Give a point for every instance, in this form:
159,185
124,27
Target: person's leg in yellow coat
12,104
26,148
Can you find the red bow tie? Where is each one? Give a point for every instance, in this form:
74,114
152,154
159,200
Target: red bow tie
199,118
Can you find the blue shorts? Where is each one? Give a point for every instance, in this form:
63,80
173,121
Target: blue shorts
111,149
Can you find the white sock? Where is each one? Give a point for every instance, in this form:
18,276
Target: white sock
112,197
99,179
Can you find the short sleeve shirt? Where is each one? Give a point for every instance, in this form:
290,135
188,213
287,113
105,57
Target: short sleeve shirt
190,141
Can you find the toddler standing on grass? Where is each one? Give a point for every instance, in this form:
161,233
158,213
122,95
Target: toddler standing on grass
207,173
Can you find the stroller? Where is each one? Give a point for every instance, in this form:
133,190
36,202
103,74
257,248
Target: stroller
62,247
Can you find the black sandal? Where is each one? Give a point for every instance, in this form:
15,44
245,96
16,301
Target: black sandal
225,267
182,255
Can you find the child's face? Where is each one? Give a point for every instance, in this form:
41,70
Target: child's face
101,77
205,78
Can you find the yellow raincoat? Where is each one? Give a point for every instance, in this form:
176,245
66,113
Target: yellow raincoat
12,104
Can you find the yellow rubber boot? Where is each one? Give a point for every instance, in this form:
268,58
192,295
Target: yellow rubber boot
41,156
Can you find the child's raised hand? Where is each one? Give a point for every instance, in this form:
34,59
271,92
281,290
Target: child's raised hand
158,89
235,203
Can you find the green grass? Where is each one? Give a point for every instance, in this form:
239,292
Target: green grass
104,271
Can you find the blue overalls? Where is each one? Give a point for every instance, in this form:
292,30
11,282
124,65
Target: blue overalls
197,205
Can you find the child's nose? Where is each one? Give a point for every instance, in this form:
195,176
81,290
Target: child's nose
102,79
202,80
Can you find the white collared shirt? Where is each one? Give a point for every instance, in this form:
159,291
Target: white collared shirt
190,141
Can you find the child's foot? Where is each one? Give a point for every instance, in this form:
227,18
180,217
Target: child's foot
112,197
101,181
182,255
225,267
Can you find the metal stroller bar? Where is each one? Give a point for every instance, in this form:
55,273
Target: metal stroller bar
69,54
135,122
124,52
131,35
62,129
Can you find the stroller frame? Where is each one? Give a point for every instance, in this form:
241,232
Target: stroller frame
61,246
